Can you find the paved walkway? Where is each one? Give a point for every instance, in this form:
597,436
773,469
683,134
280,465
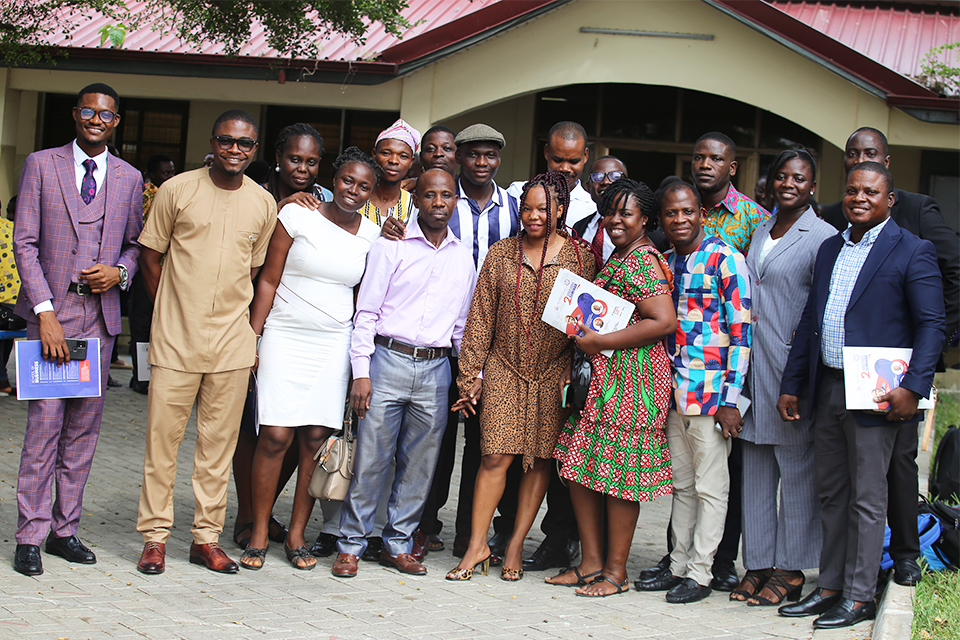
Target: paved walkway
112,600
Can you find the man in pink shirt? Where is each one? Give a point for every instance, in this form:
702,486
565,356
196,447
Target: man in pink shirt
412,307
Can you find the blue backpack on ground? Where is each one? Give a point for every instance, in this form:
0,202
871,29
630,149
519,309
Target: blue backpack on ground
929,527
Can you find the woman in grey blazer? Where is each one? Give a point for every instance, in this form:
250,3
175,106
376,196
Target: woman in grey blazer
778,455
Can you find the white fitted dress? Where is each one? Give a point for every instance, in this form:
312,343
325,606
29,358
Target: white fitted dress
304,361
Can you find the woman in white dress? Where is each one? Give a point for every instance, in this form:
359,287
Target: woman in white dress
303,309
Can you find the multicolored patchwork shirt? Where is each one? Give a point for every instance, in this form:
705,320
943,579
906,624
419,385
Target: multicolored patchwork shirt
734,220
711,349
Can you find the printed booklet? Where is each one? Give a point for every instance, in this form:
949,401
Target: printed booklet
38,379
573,298
870,372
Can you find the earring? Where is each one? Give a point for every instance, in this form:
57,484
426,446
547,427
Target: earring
277,169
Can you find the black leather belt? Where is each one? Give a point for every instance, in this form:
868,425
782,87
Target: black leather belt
80,288
424,353
836,374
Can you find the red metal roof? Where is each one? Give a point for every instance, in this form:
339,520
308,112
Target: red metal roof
432,13
895,35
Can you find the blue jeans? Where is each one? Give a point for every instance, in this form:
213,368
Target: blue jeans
406,419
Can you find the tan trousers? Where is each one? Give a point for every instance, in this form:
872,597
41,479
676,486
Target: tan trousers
701,482
219,398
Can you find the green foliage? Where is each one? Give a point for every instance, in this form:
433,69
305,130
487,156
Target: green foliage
942,77
936,607
295,28
27,25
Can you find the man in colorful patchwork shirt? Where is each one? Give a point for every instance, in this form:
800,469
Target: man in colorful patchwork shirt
709,355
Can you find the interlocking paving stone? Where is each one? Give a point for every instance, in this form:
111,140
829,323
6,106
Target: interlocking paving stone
112,600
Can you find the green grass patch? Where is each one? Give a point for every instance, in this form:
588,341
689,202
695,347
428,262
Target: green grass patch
936,607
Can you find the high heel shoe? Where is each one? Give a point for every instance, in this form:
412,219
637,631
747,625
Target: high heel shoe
510,575
782,589
467,572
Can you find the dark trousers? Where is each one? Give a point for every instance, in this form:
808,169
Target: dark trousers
903,487
730,543
140,316
851,473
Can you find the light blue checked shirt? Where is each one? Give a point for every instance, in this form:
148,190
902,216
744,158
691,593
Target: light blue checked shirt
846,270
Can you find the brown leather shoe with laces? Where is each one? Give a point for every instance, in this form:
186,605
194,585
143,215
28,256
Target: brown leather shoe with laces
212,556
153,558
404,563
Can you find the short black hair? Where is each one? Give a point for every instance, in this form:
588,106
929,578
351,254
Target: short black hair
104,89
567,130
673,187
876,167
235,115
154,161
721,138
439,128
787,155
883,139
609,157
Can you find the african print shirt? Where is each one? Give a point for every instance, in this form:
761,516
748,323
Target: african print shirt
710,352
9,278
734,220
401,211
149,193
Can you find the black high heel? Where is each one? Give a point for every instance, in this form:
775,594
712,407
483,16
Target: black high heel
784,590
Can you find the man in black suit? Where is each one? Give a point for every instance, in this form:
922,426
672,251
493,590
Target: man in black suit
920,215
874,285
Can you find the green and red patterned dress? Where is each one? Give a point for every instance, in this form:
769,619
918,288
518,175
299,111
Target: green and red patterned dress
617,444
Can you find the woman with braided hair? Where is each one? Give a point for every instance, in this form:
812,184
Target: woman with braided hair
520,363
615,452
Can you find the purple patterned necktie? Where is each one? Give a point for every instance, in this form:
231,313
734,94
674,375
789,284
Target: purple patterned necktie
88,186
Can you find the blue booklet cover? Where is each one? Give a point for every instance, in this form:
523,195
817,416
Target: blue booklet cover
38,379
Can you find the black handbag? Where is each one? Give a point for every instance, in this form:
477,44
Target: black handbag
579,380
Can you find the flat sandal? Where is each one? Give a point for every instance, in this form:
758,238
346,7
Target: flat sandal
252,553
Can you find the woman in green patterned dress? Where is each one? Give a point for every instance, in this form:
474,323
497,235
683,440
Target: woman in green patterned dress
616,450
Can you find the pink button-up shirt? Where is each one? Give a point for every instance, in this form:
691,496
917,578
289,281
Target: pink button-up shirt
414,292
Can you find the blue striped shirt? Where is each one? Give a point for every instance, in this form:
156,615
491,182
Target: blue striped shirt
478,230
846,270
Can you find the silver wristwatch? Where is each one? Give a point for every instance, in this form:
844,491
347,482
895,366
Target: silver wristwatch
124,276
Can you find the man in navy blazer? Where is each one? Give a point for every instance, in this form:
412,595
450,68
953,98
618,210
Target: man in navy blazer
873,285
920,215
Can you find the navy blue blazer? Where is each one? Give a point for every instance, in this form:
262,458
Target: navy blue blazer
897,302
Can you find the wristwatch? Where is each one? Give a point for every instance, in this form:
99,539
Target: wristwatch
123,276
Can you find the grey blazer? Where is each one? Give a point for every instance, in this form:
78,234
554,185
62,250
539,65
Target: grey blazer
778,294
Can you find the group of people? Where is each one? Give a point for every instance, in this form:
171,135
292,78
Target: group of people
281,310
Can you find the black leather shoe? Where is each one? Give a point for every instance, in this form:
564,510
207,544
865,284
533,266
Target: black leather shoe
687,591
548,556
652,572
813,605
724,576
27,560
906,572
325,545
661,582
843,614
374,547
498,543
70,549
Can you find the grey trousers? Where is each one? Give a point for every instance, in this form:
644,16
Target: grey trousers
851,466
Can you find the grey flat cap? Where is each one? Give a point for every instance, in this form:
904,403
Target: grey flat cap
480,133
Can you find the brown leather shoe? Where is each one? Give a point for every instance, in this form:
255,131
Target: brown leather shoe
153,558
345,566
212,557
419,545
404,563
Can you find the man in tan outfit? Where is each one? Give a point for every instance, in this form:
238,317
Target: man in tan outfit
214,226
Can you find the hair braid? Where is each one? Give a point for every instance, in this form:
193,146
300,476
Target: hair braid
286,135
619,191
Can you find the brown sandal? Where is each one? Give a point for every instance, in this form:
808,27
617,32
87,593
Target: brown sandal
753,578
782,589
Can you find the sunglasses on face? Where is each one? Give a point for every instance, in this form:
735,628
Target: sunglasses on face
106,117
613,176
226,143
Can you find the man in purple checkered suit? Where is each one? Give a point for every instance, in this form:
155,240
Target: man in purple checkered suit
79,213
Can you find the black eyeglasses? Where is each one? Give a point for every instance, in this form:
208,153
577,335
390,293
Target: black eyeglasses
226,143
106,117
597,176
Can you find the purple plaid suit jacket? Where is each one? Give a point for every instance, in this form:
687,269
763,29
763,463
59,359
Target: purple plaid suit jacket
45,233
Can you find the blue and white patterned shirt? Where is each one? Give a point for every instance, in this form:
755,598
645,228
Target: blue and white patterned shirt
478,230
846,270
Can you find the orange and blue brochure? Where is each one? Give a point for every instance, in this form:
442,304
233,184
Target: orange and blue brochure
573,298
871,372
38,379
